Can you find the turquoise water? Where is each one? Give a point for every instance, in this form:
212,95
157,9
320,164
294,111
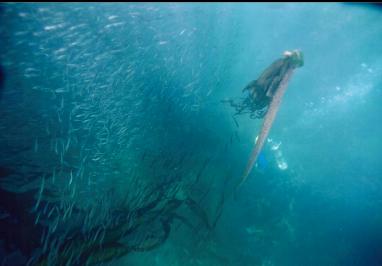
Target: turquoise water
116,148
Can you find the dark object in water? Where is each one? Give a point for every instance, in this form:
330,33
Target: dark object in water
272,84
5,171
261,91
19,231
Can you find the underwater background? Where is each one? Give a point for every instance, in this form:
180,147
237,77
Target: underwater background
116,147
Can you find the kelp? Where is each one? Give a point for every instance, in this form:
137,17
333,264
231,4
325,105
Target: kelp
150,224
135,228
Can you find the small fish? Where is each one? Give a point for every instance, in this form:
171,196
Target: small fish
67,144
51,211
54,175
55,147
234,119
37,218
40,194
237,136
46,208
112,17
35,145
71,178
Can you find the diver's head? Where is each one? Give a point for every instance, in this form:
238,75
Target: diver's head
296,57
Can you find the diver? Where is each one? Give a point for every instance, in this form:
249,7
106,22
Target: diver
259,92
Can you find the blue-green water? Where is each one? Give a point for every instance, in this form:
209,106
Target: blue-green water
117,150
